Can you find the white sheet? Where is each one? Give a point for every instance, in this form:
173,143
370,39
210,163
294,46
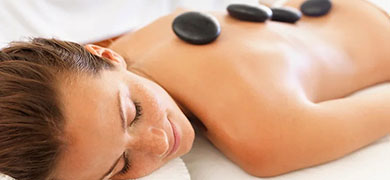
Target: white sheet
173,170
205,162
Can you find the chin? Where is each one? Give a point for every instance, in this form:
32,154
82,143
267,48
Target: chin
187,137
188,145
186,131
189,140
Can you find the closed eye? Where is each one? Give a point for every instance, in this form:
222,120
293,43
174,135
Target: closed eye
138,112
126,165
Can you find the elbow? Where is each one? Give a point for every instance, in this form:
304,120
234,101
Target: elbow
274,156
264,165
263,170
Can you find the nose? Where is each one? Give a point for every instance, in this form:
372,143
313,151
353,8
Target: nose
154,140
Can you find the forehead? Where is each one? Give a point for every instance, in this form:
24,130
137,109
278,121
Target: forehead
91,113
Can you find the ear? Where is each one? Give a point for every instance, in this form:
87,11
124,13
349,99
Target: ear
106,53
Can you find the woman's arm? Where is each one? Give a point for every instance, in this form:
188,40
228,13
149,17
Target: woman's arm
329,130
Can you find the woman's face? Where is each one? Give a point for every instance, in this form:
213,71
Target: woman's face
119,125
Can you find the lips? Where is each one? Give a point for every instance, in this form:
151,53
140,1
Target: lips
176,139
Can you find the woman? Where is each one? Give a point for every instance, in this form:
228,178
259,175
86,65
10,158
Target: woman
271,96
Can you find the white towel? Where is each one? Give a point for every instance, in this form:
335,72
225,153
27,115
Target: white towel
173,170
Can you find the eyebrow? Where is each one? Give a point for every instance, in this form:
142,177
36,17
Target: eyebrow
123,124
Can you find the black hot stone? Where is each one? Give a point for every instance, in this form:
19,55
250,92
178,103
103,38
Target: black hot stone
196,27
286,14
245,12
316,7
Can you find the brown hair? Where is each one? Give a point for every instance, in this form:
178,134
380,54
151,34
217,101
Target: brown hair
31,120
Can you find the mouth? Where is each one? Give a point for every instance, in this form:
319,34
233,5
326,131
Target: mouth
176,139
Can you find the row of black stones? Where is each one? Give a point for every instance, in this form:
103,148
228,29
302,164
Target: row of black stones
200,28
262,13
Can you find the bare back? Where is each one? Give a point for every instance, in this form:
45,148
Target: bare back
264,72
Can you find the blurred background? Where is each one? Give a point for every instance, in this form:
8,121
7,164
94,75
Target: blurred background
93,20
87,20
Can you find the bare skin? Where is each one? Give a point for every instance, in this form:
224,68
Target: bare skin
273,95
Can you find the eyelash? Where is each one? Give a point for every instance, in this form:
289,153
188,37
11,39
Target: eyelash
138,112
126,167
